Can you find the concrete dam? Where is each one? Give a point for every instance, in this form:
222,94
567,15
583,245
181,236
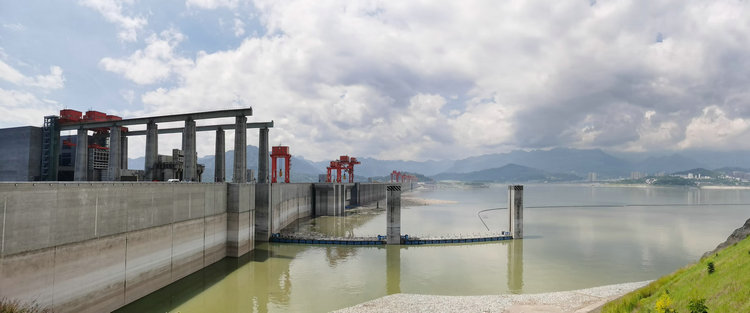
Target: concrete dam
96,246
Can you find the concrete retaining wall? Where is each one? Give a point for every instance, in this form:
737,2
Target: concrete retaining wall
240,219
278,205
93,247
364,193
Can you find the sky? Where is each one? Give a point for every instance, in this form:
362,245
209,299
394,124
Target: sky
409,80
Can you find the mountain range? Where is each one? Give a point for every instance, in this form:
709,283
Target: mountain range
547,165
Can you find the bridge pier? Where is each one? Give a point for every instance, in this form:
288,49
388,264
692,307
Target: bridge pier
263,156
515,210
220,159
123,152
190,172
113,166
82,150
393,215
152,150
240,150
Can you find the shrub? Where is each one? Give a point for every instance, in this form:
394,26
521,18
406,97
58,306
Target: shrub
664,304
698,306
711,267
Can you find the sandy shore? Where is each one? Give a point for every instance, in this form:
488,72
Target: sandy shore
415,201
726,187
583,300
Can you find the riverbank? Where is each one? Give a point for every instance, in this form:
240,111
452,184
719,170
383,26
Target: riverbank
416,201
582,300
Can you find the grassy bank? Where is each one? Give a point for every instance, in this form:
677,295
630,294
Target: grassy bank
726,289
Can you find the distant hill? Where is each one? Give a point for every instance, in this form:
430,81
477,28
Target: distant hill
699,171
375,168
577,162
667,164
507,173
387,178
560,160
729,170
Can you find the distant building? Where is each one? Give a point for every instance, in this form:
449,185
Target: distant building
172,166
637,175
592,176
21,153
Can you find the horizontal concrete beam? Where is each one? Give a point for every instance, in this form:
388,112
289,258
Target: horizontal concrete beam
162,119
178,130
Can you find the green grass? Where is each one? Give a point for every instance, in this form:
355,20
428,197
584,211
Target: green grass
15,306
727,289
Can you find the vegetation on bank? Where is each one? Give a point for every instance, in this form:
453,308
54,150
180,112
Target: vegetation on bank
15,306
717,283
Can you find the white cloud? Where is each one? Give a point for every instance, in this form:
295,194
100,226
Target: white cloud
212,4
239,27
154,63
714,129
21,108
416,80
14,26
54,80
112,10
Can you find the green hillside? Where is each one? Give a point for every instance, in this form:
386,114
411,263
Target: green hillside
727,289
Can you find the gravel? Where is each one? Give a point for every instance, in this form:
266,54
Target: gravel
583,300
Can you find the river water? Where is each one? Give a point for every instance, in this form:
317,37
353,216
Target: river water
575,236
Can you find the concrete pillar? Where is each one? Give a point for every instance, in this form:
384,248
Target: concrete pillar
220,165
113,167
263,156
515,210
240,150
393,215
152,150
124,152
263,211
515,266
190,171
82,156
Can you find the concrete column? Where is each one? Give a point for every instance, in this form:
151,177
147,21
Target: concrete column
393,215
263,156
82,156
263,211
113,167
515,210
190,172
152,150
240,150
124,152
220,165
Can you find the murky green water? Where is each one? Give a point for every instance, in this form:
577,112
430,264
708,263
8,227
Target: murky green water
564,248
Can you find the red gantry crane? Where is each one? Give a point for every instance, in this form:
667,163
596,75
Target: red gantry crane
400,177
344,163
281,152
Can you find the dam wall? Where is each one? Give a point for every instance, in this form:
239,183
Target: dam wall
278,205
94,247
364,193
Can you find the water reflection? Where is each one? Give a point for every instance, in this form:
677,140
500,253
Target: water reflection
564,248
393,269
515,266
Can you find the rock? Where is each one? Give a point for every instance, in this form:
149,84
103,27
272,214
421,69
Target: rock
738,235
